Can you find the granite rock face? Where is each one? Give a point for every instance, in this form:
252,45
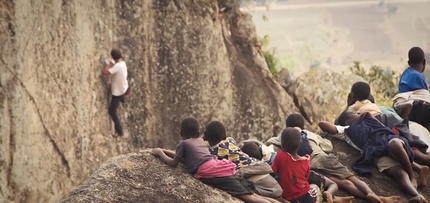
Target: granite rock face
140,177
320,94
185,58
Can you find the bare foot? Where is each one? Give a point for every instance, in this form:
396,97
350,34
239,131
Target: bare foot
417,199
348,199
392,199
372,197
422,176
327,197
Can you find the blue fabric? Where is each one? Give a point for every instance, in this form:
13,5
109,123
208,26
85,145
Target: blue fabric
305,147
403,127
270,162
372,137
412,80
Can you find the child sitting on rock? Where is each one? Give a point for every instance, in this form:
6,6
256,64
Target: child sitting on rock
358,99
379,144
329,165
193,153
251,169
293,170
258,150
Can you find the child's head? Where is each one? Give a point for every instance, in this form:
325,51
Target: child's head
360,91
189,128
214,132
290,139
295,120
417,59
347,117
252,149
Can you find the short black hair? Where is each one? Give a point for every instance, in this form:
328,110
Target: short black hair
115,54
190,127
295,120
290,139
214,131
361,90
343,117
252,149
416,56
371,98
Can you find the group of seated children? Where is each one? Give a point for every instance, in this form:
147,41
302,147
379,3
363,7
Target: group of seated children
384,137
303,164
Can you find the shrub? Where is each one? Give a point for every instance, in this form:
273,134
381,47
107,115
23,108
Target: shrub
269,55
383,82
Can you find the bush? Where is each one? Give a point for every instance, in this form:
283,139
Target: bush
383,82
269,55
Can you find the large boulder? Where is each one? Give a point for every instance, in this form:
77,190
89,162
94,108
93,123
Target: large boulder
185,58
140,177
320,94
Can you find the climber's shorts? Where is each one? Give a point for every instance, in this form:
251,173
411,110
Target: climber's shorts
233,185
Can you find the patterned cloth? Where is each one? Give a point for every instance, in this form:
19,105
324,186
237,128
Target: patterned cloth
228,149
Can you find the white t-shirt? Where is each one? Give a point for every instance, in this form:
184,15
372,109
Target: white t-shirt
119,83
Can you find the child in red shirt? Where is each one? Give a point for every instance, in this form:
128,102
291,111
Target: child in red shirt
293,170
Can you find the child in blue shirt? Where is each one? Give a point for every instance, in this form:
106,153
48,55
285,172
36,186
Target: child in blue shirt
412,78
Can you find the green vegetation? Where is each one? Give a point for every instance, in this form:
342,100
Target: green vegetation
383,82
269,55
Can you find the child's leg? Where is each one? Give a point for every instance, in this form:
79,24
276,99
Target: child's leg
349,187
271,200
254,198
400,175
396,147
235,186
421,158
337,199
364,188
423,172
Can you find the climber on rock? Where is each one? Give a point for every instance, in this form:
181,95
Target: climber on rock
119,87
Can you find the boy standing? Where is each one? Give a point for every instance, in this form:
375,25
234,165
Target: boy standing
413,89
119,87
194,154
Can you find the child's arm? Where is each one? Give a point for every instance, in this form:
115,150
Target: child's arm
169,153
168,160
328,127
368,114
404,110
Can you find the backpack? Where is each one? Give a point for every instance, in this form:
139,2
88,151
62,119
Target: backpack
305,147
